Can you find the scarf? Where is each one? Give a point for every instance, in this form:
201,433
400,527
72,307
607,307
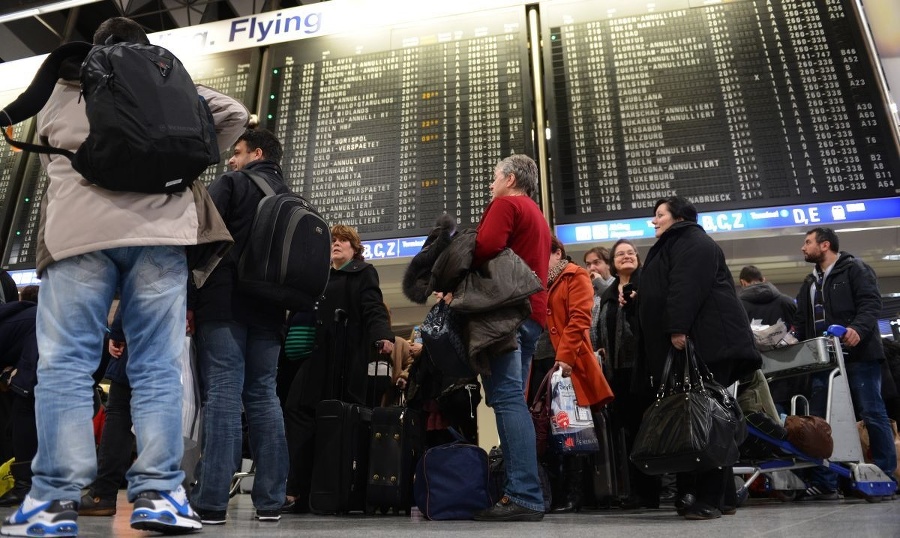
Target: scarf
555,271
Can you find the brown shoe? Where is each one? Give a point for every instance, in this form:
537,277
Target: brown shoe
96,506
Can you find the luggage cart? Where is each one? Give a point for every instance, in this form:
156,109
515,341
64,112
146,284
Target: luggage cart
821,354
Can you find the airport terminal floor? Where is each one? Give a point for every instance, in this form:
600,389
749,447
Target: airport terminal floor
758,518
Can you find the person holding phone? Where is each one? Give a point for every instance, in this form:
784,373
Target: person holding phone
617,328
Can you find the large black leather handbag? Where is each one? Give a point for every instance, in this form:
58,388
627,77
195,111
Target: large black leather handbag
442,339
694,425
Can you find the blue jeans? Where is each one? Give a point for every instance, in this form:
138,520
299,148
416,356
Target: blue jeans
76,294
864,378
237,365
504,391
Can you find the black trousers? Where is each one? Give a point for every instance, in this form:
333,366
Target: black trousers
114,455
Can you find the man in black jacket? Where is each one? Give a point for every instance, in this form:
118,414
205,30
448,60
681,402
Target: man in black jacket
762,300
238,340
843,290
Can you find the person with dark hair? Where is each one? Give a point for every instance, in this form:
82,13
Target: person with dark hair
337,368
619,340
843,290
686,292
762,300
29,293
570,297
597,262
513,220
238,339
133,244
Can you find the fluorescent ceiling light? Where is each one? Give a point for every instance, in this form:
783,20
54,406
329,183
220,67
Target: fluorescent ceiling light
33,12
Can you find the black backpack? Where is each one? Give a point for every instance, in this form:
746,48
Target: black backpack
150,131
287,259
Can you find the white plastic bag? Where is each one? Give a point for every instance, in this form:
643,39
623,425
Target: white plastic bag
571,425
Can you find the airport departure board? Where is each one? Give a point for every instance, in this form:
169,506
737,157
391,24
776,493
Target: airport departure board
385,131
735,104
22,244
11,163
235,74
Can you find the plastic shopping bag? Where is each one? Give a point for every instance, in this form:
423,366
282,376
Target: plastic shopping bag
571,425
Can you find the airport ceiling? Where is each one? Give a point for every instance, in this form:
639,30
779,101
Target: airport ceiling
34,27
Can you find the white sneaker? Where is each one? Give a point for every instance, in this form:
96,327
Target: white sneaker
42,518
164,511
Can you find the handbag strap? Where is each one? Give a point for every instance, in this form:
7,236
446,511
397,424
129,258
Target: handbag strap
543,391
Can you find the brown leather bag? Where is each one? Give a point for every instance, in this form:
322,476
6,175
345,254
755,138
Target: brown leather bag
810,434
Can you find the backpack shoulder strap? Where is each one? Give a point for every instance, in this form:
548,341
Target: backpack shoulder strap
260,182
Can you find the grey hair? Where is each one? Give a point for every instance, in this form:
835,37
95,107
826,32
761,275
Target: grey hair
525,170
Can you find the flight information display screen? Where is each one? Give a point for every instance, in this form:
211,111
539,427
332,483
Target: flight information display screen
21,246
385,131
737,104
11,162
235,74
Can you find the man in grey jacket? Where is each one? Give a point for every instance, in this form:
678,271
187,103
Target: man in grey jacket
92,244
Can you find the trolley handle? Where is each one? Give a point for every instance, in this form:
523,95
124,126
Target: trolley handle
836,330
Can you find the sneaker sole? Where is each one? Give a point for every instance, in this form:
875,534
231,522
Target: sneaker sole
40,529
268,518
164,522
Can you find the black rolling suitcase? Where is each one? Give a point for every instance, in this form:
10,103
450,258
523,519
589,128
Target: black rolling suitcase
338,482
609,466
342,450
397,442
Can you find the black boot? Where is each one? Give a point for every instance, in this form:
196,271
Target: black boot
573,471
21,473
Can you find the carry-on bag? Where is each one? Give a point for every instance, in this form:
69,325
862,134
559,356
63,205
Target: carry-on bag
692,426
341,455
396,444
451,481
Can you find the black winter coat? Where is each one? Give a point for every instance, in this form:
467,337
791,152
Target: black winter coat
18,344
764,302
686,288
852,299
236,197
342,352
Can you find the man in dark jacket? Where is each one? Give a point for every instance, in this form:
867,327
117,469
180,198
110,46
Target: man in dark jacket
238,339
762,300
843,290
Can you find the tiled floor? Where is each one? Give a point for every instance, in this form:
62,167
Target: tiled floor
850,518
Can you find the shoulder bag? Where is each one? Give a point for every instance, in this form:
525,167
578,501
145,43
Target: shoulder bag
691,427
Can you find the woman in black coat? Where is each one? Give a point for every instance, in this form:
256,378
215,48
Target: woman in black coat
617,327
351,320
687,291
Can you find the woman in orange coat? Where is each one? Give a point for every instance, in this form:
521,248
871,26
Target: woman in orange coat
571,297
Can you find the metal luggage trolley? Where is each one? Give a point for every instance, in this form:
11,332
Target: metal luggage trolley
818,354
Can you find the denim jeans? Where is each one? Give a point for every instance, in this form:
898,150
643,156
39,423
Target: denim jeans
114,452
76,294
237,365
864,378
504,391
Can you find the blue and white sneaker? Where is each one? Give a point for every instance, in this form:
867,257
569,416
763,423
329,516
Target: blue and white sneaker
167,512
42,518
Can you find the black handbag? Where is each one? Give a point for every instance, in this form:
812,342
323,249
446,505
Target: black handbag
441,338
692,426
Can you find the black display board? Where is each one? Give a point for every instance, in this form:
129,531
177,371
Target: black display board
735,105
11,163
22,244
385,131
235,74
